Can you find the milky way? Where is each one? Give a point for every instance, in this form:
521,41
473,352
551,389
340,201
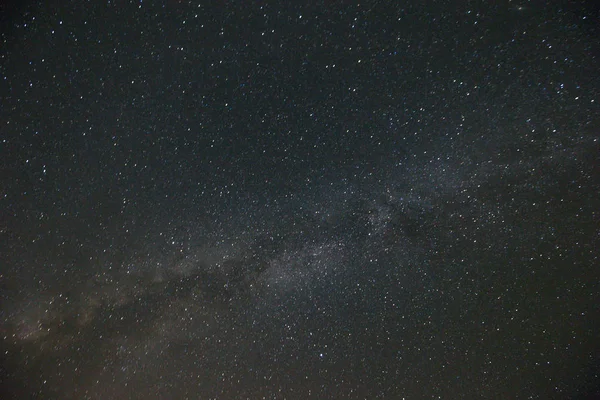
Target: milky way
299,201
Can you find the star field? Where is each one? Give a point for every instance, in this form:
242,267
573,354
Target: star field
292,200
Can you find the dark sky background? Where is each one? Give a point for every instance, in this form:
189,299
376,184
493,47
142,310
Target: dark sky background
299,200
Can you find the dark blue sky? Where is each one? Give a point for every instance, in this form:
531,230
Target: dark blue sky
299,200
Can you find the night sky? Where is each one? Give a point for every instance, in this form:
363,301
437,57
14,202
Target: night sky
299,200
